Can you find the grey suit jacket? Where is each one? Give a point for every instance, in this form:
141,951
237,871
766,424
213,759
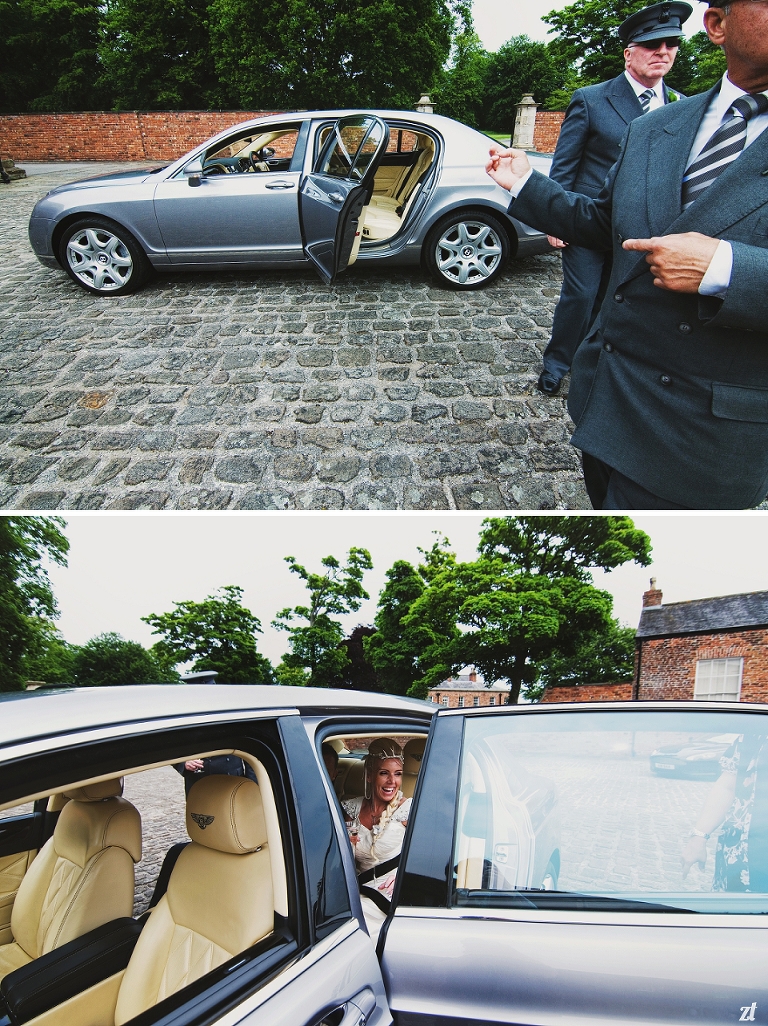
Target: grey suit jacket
590,138
670,388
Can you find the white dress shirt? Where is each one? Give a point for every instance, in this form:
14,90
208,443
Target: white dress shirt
656,101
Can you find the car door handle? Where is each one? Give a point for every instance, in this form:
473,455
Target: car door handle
345,1015
280,185
336,197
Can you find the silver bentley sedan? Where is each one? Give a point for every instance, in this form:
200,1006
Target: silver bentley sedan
320,187
186,856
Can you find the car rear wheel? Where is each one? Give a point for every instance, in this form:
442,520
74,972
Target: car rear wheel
103,257
467,250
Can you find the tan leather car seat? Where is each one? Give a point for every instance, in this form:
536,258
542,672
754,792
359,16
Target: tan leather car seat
219,899
82,877
412,756
354,781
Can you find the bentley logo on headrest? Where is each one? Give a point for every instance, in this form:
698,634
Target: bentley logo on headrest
202,821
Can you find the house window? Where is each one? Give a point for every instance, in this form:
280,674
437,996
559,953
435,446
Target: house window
718,680
461,701
476,700
444,700
492,700
434,698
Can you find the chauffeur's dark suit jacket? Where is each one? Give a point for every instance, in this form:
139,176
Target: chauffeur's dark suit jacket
671,389
590,139
587,148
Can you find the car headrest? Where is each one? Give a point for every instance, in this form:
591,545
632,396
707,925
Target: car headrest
413,754
225,813
96,792
85,828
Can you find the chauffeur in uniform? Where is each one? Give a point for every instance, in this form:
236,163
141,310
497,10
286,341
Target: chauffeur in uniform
669,390
587,148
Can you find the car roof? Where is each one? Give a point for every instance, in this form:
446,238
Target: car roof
27,715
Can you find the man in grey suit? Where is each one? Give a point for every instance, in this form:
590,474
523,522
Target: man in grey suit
669,390
588,147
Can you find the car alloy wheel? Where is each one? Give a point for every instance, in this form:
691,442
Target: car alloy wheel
467,251
102,257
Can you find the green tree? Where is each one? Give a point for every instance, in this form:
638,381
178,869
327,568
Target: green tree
315,637
600,658
48,54
564,546
26,596
218,633
108,660
699,65
587,37
156,55
528,596
520,66
460,89
49,657
368,53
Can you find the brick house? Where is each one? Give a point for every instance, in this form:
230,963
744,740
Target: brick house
714,648
708,649
466,691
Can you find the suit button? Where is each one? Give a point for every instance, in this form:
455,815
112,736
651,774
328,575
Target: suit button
620,238
684,327
607,347
665,379
619,297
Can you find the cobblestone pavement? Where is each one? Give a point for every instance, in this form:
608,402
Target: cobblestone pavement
272,391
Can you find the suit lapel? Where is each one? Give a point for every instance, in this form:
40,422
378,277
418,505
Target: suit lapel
670,147
740,189
623,100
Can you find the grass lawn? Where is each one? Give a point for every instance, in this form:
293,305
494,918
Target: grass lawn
501,137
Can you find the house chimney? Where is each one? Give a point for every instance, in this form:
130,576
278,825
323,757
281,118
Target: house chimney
473,675
653,596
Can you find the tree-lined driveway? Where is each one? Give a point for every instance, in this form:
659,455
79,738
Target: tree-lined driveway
273,391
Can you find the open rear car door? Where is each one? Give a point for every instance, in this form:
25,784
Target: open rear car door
338,188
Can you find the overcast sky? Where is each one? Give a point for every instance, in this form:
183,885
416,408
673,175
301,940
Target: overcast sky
122,567
496,21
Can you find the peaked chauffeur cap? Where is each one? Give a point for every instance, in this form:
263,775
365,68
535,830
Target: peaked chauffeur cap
659,21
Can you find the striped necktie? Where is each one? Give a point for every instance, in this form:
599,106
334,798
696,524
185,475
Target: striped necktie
645,99
724,146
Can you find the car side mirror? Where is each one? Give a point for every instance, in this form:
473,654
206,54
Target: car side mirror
194,173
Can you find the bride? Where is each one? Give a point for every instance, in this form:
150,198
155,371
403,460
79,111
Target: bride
376,826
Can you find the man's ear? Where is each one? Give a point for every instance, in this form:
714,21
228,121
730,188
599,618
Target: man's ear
714,23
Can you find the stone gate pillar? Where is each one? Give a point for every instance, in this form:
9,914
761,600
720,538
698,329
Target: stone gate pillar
525,123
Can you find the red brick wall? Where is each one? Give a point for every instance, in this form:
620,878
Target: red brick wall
130,135
589,693
547,130
668,665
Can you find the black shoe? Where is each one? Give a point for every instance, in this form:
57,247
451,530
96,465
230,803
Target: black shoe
548,383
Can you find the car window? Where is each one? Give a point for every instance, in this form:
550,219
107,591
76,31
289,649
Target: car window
158,794
350,148
634,811
269,149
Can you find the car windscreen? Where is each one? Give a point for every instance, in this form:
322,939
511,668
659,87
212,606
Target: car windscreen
635,811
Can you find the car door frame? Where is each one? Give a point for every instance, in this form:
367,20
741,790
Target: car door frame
423,890
271,972
330,206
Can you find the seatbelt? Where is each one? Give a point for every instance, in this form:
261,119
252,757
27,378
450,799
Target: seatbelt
380,869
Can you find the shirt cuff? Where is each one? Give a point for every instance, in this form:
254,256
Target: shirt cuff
518,187
717,277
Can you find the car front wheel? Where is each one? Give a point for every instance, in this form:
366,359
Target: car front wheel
467,250
103,257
